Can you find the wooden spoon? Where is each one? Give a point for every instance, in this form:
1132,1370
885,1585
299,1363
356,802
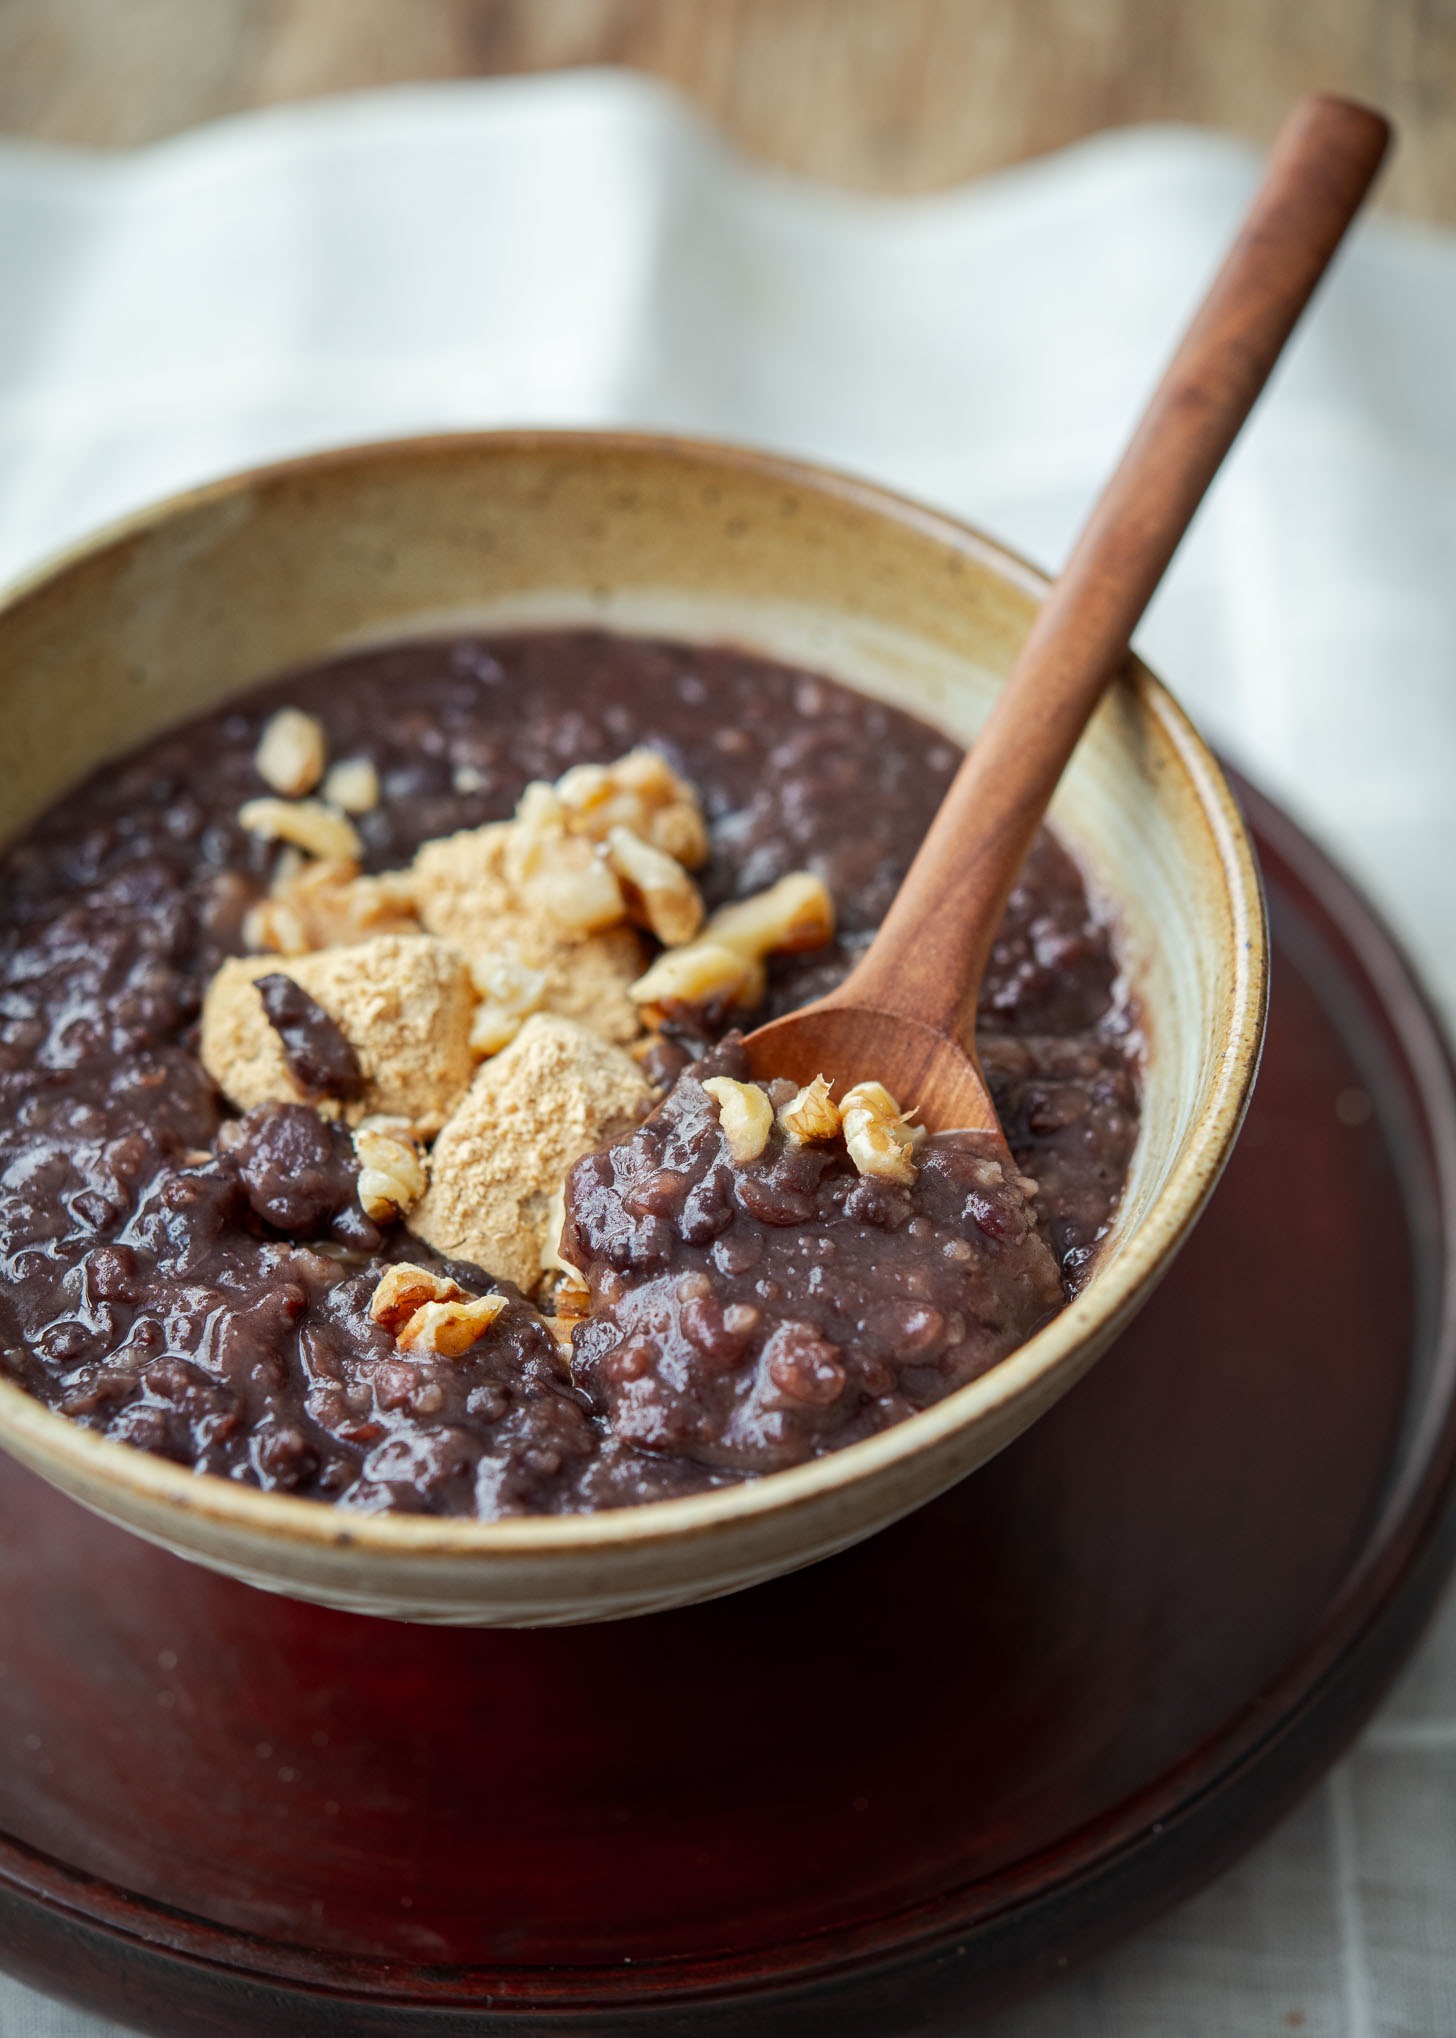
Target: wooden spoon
905,1016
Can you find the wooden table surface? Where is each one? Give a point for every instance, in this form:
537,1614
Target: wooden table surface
883,95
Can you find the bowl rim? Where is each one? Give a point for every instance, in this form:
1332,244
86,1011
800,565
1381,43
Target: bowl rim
96,1461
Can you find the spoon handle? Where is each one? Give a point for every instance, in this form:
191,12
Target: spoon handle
929,955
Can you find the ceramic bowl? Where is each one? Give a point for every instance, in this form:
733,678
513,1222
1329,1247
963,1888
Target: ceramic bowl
177,609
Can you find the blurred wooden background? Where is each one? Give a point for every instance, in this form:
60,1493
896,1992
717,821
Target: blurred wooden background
883,95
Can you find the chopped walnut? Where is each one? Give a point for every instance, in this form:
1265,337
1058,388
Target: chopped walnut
509,993
404,1288
353,785
539,811
876,1134
392,1176
641,791
744,1112
274,927
449,1329
308,824
564,877
658,890
701,977
292,752
568,1294
811,1114
723,967
795,914
564,1285
321,905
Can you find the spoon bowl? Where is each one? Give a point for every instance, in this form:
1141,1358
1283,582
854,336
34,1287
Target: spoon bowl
856,1043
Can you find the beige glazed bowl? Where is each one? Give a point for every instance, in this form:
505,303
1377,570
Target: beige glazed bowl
186,605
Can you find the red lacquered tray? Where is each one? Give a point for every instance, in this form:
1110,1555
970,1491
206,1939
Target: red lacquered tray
905,1784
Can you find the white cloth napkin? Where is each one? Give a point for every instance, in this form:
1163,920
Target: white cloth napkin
579,250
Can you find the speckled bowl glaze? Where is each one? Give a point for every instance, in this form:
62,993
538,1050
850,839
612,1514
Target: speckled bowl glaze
174,611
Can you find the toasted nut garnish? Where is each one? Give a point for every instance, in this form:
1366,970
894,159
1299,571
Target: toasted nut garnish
745,1114
539,810
290,864
641,791
702,975
509,994
583,900
557,851
272,927
353,784
569,1293
292,752
564,1284
560,1299
812,1114
796,913
392,1175
659,891
405,1288
495,1027
450,1328
564,876
386,1197
308,824
875,1132
587,790
328,904
555,1225
672,815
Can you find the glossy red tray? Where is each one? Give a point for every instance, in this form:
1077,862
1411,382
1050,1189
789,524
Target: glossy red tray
870,1798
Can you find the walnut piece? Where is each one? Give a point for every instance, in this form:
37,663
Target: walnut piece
403,1002
449,1329
555,1093
795,914
292,752
353,785
811,1114
703,977
658,891
604,841
307,824
876,1134
392,1175
641,791
425,1312
745,1114
565,1284
564,877
322,905
403,1289
509,993
724,966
